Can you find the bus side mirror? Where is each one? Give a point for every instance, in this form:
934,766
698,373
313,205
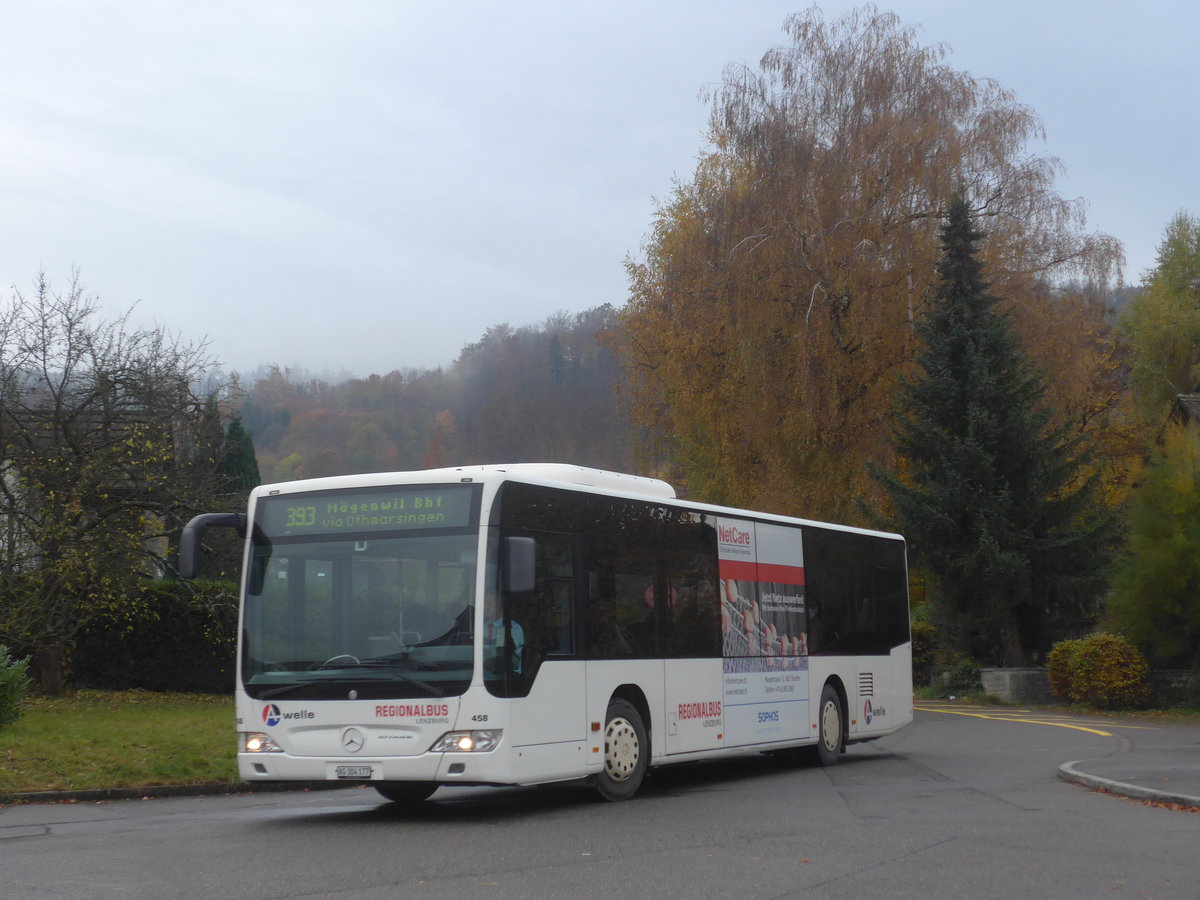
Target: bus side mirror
520,565
193,533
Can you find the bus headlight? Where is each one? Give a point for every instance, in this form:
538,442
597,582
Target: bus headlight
467,742
257,742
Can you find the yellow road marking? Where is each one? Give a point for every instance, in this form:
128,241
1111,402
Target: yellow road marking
1015,714
1005,718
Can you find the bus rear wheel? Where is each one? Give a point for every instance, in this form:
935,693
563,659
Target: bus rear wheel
830,732
626,752
406,791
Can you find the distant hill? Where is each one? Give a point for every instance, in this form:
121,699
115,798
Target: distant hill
536,393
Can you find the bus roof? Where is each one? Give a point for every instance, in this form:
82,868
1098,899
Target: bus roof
558,473
561,474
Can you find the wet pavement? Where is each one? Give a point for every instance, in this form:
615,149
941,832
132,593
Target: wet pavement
1159,763
1157,758
1162,766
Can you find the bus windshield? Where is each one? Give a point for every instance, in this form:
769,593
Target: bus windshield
354,613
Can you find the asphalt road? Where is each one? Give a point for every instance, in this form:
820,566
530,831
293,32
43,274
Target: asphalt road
955,806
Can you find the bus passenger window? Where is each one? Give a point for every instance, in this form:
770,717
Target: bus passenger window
604,637
561,637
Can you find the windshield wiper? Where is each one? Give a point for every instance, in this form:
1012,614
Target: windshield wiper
395,675
404,676
279,691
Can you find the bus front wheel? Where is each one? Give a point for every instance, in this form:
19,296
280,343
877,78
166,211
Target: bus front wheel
626,752
406,791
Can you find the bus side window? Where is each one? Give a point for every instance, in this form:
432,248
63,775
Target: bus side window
561,637
694,630
541,622
604,637
858,593
556,594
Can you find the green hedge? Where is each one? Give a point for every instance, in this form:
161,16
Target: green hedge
171,636
924,653
14,682
1102,670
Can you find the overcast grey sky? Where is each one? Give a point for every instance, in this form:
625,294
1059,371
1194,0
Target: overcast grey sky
367,185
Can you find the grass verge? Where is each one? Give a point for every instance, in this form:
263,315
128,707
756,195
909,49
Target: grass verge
91,740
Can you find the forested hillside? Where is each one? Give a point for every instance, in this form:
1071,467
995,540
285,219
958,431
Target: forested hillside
535,393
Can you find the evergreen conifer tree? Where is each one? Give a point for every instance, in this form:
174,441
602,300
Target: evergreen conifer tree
238,462
994,500
237,474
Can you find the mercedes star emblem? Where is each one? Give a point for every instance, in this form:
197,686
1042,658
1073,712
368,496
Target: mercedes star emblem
352,740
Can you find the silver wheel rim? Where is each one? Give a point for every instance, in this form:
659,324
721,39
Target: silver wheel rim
621,749
831,727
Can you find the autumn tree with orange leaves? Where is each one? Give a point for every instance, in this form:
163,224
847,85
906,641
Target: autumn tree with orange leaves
773,308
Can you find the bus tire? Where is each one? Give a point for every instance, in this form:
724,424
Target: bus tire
626,752
831,728
406,791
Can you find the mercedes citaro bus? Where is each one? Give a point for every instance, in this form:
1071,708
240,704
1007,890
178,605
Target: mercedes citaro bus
533,623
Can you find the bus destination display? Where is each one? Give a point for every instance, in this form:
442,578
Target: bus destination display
398,509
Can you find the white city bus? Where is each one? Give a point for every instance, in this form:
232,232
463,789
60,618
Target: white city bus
523,624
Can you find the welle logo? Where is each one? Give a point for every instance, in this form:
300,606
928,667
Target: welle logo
271,715
871,712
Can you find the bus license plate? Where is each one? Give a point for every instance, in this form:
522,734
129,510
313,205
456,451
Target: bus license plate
354,772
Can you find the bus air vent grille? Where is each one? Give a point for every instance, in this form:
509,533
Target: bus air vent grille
866,684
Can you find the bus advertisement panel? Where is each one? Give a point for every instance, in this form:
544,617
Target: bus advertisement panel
761,572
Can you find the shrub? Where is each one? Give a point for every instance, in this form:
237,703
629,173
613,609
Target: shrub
171,636
964,678
1107,671
14,682
1058,667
